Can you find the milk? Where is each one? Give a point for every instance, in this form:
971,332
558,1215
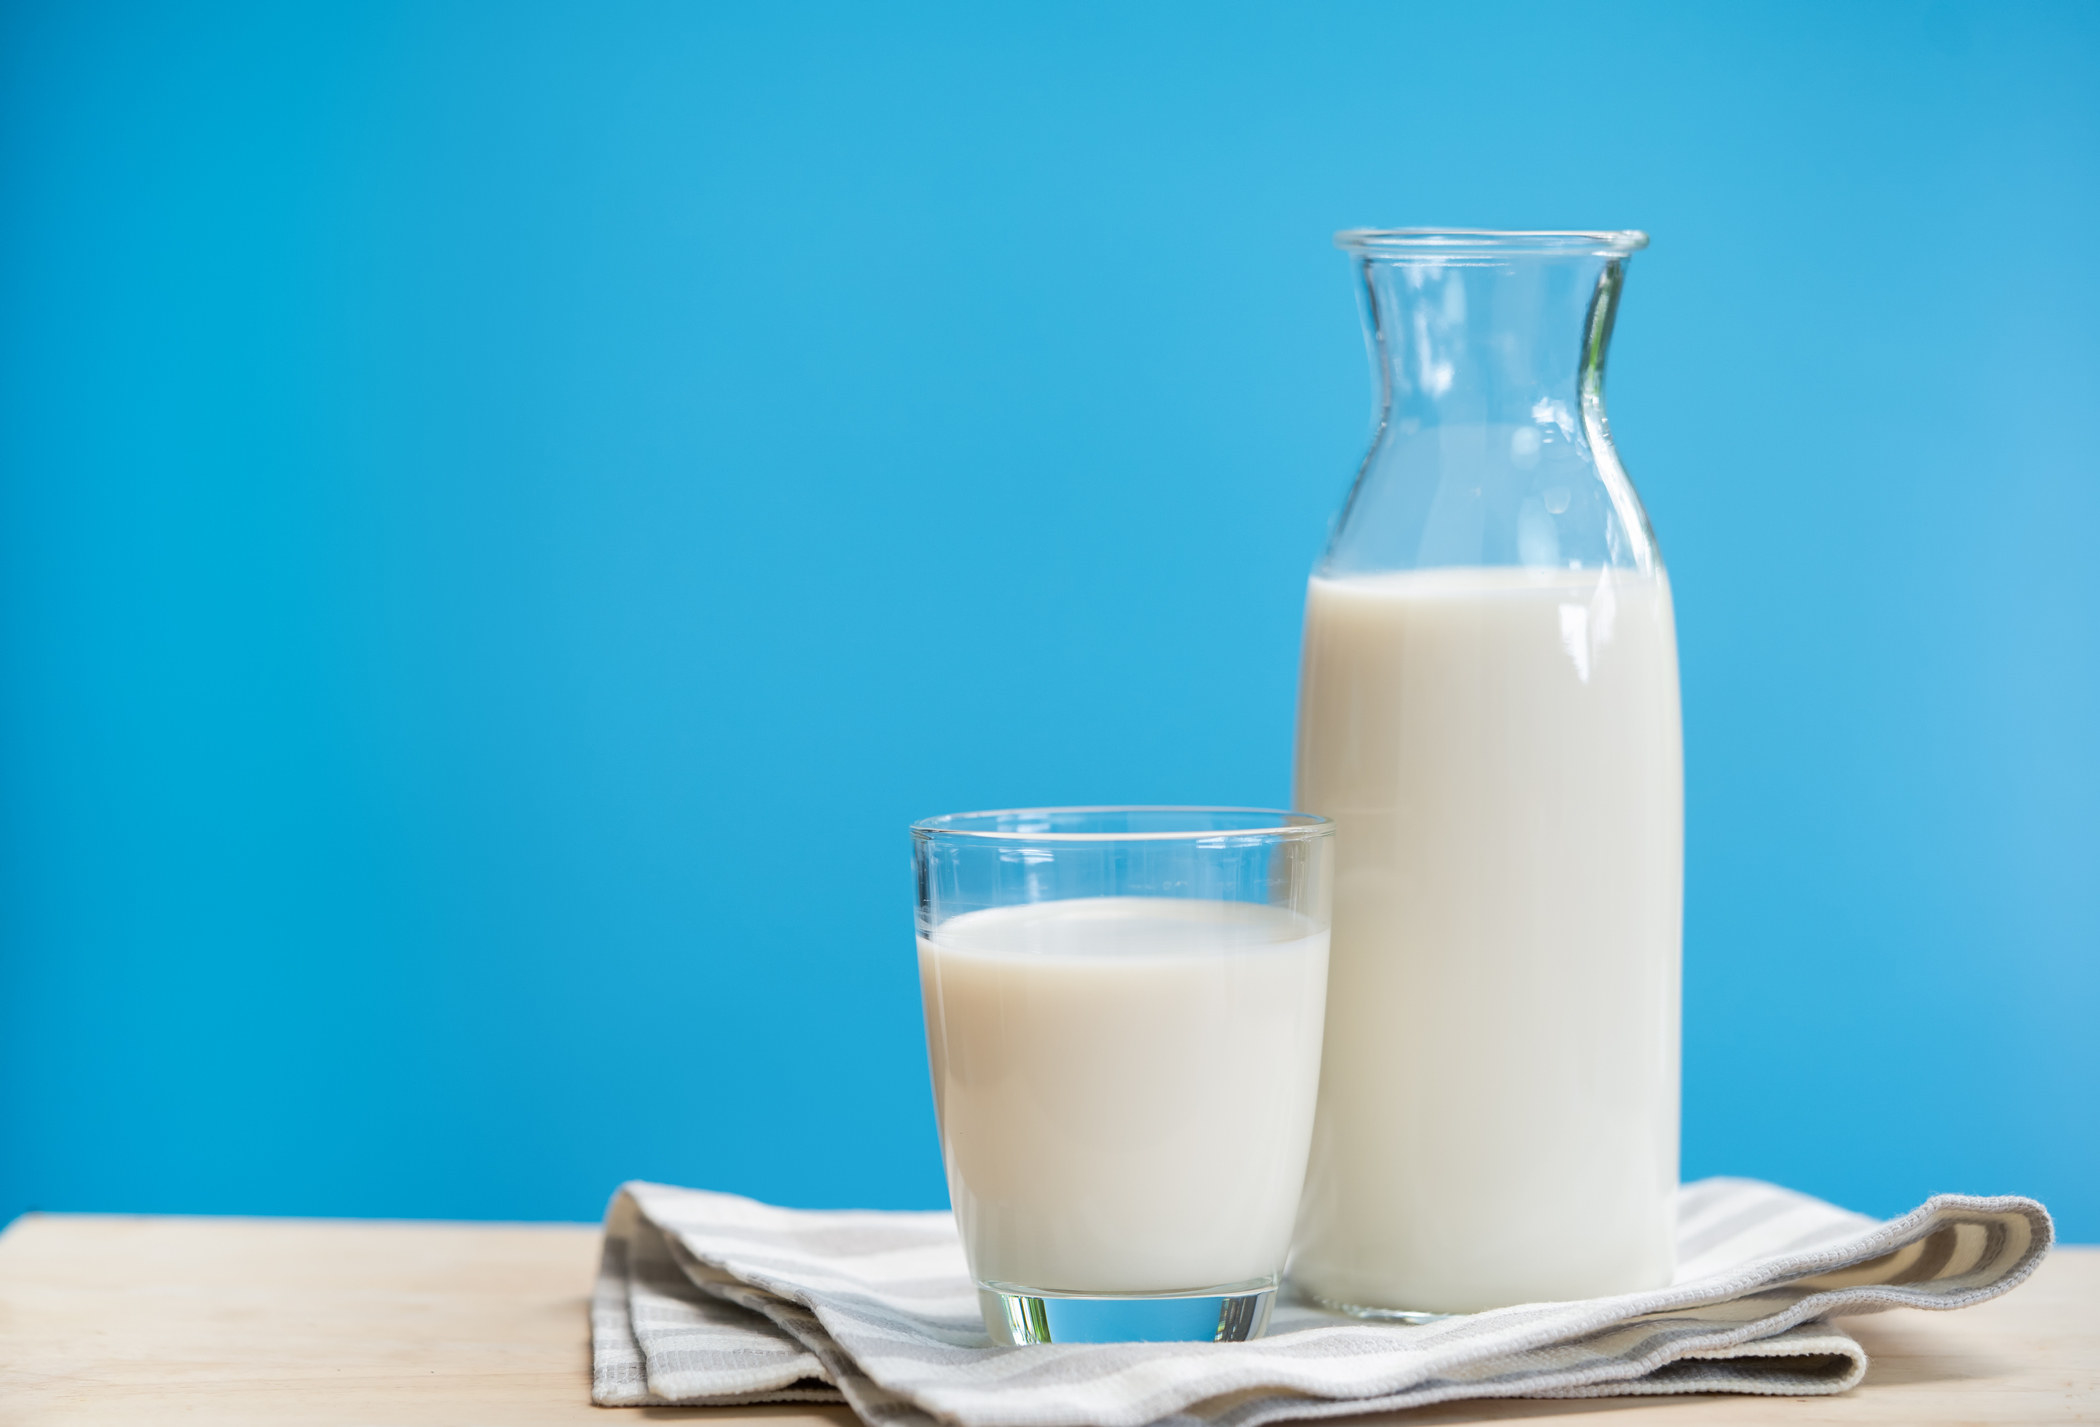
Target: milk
1498,1108
1125,1087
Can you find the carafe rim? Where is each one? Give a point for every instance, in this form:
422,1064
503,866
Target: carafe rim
1490,242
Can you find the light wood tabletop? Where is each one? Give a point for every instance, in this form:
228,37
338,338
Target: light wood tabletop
121,1319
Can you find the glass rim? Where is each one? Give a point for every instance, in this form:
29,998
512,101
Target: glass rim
1270,822
1490,242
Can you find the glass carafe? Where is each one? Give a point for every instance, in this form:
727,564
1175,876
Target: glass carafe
1488,710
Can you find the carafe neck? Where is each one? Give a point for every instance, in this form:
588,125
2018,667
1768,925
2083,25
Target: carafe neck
1518,342
1491,444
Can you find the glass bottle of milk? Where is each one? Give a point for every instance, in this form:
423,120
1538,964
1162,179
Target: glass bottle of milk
1488,710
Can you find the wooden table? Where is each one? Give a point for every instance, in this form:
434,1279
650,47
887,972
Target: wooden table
118,1319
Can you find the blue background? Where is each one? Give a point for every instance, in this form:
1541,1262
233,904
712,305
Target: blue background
509,510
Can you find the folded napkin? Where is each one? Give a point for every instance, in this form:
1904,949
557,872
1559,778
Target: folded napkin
713,1299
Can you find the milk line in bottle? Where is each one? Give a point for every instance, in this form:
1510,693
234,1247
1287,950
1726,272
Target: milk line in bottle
1489,712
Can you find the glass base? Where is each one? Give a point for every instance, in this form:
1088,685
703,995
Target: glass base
1228,1313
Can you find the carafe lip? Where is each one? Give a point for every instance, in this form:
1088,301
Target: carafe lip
1489,242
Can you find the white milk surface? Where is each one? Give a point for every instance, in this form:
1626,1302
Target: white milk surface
1125,1087
1500,751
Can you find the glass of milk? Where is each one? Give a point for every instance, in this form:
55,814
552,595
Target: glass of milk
1124,1009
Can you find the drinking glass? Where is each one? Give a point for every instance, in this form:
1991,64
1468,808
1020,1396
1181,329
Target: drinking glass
1124,1009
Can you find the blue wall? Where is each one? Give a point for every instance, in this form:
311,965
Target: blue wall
509,510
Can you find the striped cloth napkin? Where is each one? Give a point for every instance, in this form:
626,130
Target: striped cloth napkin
713,1299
